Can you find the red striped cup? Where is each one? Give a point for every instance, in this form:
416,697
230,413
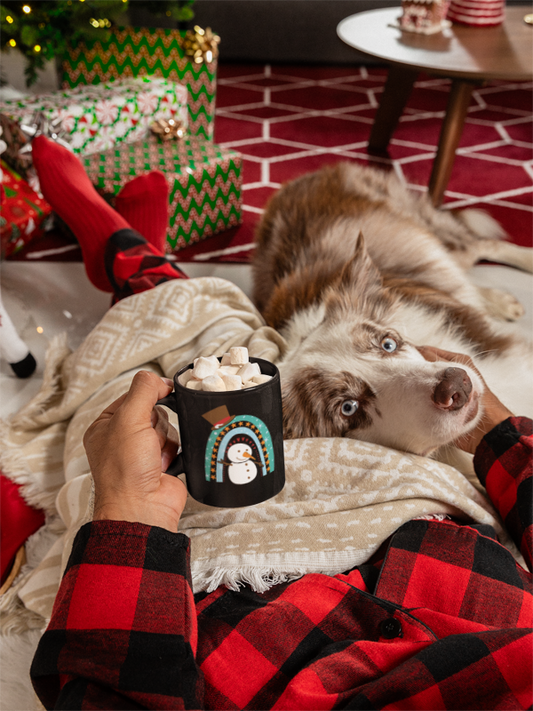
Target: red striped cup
479,13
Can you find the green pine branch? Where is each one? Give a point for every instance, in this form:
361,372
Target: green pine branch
42,29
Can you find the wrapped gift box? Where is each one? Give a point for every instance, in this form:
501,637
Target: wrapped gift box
140,51
204,182
95,118
23,212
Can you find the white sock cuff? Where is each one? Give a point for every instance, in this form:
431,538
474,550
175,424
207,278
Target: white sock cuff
12,347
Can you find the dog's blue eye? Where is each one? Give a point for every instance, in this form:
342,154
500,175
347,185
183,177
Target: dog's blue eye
349,407
389,344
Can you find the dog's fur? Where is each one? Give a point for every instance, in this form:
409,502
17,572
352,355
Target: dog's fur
356,272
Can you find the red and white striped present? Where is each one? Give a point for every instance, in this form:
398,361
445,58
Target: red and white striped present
480,13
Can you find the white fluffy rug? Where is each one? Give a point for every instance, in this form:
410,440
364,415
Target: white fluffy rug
16,653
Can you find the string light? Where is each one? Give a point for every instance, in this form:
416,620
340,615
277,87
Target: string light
99,23
36,31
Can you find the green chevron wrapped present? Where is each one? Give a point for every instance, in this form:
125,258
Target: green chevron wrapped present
189,58
204,181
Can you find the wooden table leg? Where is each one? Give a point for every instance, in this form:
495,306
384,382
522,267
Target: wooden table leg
397,91
450,135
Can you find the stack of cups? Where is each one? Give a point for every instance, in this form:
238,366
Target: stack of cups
478,13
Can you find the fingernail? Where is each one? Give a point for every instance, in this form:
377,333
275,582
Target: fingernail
168,382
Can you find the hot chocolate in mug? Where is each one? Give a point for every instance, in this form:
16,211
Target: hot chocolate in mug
231,442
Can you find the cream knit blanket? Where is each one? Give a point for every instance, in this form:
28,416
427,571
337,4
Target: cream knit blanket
341,500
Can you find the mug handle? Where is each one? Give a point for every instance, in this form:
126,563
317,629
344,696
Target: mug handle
168,401
176,465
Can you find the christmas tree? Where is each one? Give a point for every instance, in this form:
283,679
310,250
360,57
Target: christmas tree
41,29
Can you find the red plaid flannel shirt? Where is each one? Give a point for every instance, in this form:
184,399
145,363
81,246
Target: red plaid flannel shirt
443,621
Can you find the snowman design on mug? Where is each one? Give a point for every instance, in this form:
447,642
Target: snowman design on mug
242,467
238,449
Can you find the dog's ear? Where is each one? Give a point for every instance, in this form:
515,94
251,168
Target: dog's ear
360,273
358,288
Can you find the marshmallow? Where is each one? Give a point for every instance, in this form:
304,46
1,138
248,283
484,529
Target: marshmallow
204,367
260,379
238,355
185,377
232,382
212,359
229,370
233,372
248,370
213,384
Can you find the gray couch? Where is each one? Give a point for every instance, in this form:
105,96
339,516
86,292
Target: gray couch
284,31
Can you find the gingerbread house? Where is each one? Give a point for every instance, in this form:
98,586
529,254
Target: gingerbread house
424,16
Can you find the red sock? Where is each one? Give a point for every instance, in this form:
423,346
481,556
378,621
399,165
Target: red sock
66,186
143,202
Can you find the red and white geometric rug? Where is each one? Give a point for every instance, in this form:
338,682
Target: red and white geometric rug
288,120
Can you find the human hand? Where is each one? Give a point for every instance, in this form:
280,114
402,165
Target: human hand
493,411
129,446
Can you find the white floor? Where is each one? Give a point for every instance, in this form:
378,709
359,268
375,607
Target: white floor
48,298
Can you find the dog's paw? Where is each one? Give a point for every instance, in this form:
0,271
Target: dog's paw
502,305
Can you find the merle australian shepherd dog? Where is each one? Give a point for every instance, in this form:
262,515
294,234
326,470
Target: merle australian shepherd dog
357,272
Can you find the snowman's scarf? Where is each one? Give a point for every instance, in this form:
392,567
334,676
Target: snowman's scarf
341,500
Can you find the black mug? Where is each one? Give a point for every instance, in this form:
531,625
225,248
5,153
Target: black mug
231,442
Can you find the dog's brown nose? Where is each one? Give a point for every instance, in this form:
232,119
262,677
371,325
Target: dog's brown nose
453,390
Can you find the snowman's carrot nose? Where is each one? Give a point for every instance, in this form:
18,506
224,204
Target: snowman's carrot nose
247,454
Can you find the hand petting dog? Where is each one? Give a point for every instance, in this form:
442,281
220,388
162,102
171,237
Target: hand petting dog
494,411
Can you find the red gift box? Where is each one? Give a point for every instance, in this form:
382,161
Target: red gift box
23,212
